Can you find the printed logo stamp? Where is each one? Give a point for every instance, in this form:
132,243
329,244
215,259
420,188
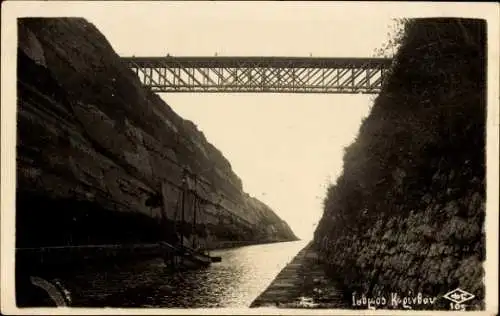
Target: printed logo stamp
457,298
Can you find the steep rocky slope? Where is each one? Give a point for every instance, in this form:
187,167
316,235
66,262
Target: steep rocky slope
95,150
407,213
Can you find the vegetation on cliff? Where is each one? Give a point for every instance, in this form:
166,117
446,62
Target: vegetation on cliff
407,213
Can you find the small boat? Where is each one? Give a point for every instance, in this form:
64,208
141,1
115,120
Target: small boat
196,256
180,255
201,256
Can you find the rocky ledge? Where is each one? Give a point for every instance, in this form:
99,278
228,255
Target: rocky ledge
95,149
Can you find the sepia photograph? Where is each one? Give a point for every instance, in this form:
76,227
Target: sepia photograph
257,157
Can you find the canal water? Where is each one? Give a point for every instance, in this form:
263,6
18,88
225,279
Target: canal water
235,282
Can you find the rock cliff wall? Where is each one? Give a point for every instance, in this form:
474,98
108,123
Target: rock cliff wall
407,213
95,150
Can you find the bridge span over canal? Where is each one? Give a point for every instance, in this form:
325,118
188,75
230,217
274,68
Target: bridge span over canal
260,74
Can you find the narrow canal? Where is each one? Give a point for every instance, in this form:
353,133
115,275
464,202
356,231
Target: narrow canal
235,282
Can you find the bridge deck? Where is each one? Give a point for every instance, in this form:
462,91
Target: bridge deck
258,62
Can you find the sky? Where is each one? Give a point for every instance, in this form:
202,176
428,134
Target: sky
286,148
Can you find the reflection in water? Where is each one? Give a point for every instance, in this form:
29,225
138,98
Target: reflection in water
235,282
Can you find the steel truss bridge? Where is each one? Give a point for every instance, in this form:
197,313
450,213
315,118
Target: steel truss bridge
260,74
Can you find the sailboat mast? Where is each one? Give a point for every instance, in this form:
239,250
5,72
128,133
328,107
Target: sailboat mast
195,209
164,208
182,206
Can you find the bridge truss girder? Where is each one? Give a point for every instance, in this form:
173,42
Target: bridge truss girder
260,74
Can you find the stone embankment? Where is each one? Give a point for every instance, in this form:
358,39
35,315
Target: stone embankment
302,284
407,213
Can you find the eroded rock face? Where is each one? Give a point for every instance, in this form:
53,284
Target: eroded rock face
94,146
407,214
